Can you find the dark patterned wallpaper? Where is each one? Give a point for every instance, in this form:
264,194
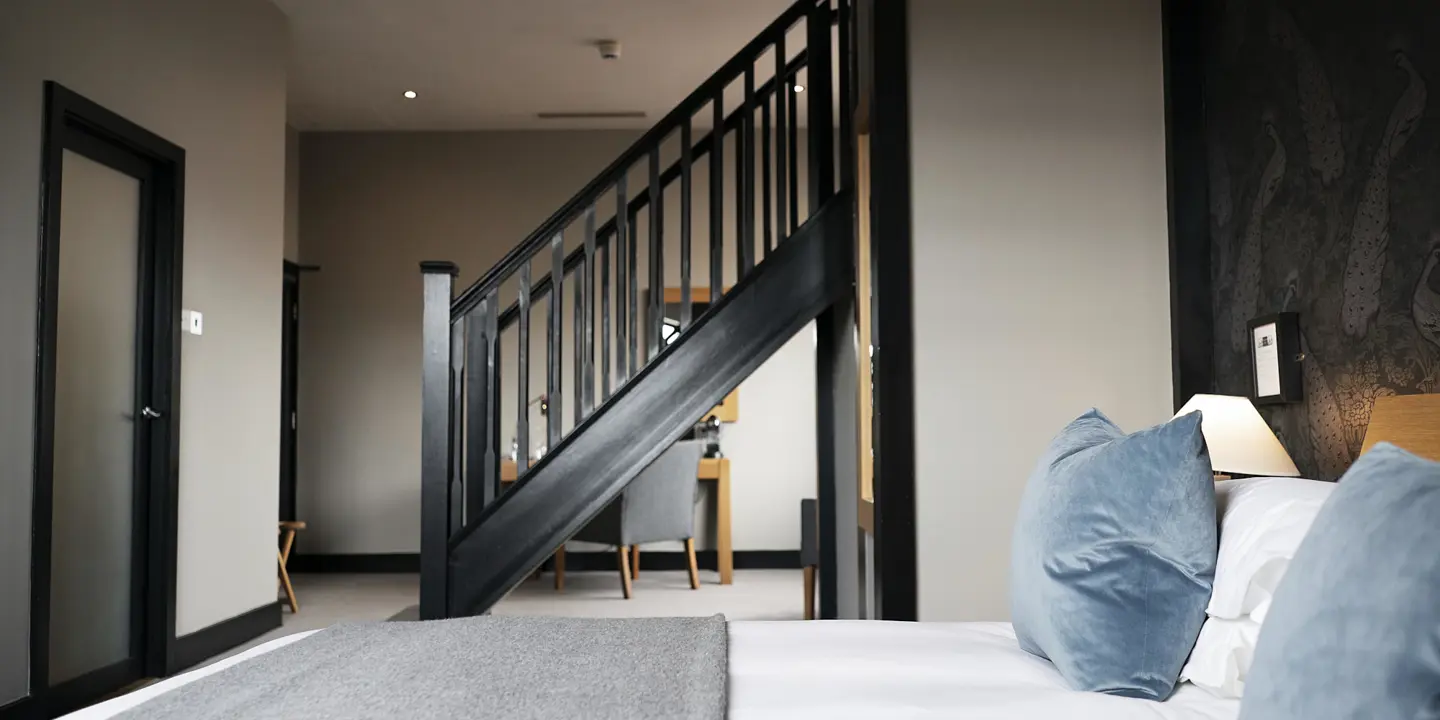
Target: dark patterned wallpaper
1324,149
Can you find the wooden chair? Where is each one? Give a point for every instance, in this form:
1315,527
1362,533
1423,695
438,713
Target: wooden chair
287,531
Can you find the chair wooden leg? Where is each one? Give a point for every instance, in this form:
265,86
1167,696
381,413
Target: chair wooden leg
625,570
809,592
694,568
285,582
560,569
635,561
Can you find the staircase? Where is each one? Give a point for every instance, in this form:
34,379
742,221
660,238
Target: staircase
632,394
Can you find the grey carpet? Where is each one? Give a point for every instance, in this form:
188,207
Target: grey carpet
530,668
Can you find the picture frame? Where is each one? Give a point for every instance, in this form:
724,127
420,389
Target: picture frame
1276,376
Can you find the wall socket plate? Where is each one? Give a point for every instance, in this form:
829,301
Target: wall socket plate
192,321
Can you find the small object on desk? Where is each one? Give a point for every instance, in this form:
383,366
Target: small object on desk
708,432
287,530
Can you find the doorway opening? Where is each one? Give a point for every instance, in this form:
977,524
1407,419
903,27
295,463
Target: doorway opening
107,405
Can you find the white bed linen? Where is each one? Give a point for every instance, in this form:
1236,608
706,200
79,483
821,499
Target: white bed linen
859,669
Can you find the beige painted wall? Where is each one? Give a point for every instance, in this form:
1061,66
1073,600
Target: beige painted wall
209,77
292,194
374,206
1041,261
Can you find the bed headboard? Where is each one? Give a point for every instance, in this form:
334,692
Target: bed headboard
1409,421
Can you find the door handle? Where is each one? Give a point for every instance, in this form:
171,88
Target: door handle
151,413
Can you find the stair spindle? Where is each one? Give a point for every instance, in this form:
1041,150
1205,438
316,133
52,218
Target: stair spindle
792,99
456,488
819,97
746,147
781,85
554,361
657,256
605,320
585,324
717,199
622,279
522,372
765,216
481,426
685,180
631,291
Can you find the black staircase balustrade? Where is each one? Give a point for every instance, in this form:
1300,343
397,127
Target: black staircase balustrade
471,548
607,231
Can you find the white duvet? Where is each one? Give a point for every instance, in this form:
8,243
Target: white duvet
858,669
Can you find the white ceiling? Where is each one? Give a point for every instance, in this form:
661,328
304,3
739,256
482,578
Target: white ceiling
494,64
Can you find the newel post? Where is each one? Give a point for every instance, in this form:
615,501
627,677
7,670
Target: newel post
435,438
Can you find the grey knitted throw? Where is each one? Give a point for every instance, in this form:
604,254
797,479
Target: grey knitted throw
534,668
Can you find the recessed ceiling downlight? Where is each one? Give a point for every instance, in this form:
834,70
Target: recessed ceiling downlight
409,94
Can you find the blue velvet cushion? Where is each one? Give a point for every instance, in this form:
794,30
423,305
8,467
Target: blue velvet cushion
1114,554
1354,629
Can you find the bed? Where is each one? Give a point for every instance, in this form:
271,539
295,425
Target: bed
860,669
857,669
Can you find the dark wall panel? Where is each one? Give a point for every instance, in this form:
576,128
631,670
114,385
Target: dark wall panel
1324,168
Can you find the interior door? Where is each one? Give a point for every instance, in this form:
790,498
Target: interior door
107,377
97,512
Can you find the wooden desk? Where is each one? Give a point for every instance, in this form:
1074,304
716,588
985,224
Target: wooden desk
716,470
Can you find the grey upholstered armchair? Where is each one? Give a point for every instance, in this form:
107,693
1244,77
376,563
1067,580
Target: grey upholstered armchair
658,505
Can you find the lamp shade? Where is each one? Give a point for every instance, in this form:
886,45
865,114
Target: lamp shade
1238,438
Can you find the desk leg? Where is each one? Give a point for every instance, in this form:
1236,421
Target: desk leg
726,557
560,568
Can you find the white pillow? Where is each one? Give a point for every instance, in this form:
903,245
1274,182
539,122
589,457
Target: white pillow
1221,658
1262,521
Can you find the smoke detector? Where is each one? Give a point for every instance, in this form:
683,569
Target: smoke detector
609,49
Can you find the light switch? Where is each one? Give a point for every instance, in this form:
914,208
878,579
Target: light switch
193,322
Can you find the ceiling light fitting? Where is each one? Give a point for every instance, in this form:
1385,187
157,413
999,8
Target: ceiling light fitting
609,49
409,94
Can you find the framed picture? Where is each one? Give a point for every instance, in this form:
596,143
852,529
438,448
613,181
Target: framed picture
1275,373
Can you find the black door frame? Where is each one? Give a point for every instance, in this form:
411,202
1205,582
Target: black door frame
79,125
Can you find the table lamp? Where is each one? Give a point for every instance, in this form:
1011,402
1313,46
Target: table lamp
1239,440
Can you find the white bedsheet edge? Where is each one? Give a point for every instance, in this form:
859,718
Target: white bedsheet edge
111,708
